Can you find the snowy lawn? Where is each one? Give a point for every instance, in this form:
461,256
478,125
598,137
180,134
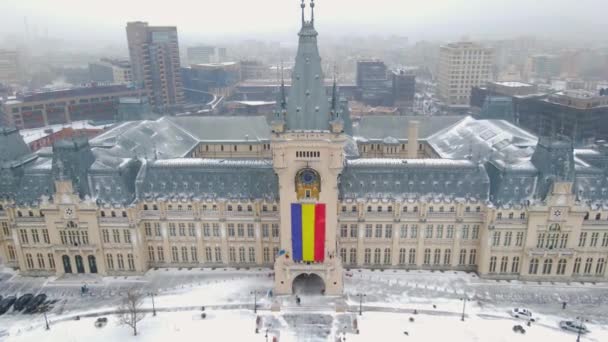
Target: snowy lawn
174,326
426,328
239,325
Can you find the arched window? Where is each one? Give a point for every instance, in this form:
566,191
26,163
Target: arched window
402,256
447,256
462,259
599,268
577,266
515,265
353,256
427,256
547,265
533,269
598,216
377,253
588,264
387,256
504,262
343,255
561,267
412,257
492,268
368,256
437,257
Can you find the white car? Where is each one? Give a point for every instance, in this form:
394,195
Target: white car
523,314
574,326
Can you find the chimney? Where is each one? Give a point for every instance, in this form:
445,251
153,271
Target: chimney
412,139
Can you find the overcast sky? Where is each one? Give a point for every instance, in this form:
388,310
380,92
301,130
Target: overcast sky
429,19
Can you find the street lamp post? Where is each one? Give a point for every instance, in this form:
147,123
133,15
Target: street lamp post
464,304
46,321
361,295
255,301
153,307
580,327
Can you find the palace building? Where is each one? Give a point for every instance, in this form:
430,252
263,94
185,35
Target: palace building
309,193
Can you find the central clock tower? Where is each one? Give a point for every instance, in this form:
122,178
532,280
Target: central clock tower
308,165
308,156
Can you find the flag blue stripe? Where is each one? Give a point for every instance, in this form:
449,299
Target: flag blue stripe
296,231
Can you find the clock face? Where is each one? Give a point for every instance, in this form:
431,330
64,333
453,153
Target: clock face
308,177
69,212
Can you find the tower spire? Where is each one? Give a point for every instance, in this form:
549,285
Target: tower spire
283,96
312,12
303,6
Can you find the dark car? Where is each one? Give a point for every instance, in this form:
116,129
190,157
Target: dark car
35,303
22,301
6,304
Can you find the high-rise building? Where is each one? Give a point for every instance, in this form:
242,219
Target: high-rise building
404,88
154,53
111,71
462,65
204,54
373,83
9,66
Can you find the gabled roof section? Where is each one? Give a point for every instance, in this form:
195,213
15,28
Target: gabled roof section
235,129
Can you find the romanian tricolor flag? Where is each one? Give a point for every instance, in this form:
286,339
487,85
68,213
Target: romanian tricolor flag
308,232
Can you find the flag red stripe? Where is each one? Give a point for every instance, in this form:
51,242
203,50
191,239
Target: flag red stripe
319,232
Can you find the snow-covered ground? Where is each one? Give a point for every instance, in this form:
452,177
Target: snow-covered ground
391,297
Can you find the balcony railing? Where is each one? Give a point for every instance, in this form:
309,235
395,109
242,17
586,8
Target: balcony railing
270,213
150,214
30,219
440,214
210,213
180,213
114,219
511,221
379,214
240,213
596,222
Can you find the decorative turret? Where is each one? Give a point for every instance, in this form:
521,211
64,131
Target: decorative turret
336,123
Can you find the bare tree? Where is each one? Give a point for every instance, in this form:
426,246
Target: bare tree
130,311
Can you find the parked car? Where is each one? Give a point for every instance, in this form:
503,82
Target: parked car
22,301
101,322
35,303
523,314
6,304
574,326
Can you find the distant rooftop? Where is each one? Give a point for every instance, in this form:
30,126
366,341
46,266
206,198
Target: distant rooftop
92,89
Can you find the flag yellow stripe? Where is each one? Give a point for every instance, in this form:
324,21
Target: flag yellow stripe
308,232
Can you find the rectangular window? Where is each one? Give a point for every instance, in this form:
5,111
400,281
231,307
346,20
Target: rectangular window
45,236
265,230
388,231
440,231
23,236
465,232
354,231
414,232
519,239
275,230
368,230
191,230
496,239
104,233
250,231
172,231
378,233
160,253
403,231
206,230
231,232
116,235
428,233
5,229
343,230
582,239
127,236
592,243
450,232
475,232
507,240
216,229
182,229
35,236
148,229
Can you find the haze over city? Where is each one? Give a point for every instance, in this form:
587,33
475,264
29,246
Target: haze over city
443,20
